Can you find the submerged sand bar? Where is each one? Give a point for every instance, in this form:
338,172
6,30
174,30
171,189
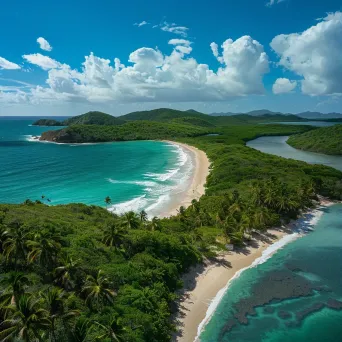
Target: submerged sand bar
205,284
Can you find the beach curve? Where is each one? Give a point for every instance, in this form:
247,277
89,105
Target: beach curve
205,285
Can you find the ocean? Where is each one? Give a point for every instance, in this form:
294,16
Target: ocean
293,296
142,175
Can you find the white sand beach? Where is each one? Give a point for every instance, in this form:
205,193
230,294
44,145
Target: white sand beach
205,284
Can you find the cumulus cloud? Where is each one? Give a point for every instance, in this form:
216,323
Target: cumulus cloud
6,64
283,85
315,55
174,28
44,44
141,24
151,76
42,61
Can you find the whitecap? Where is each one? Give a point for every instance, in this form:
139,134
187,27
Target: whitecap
136,205
32,138
141,183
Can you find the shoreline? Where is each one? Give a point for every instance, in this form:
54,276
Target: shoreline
195,184
198,179
206,284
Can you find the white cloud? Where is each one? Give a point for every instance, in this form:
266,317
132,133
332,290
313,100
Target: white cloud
151,76
214,49
273,2
315,55
141,24
44,44
42,61
5,64
283,85
174,28
179,42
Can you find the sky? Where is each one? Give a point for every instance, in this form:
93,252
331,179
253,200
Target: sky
69,57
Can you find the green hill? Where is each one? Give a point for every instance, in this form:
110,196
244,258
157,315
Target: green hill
326,140
136,130
163,114
90,118
193,121
94,118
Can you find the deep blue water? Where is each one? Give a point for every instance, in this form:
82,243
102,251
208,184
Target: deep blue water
136,175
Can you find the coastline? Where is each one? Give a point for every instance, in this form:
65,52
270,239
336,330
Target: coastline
207,283
196,188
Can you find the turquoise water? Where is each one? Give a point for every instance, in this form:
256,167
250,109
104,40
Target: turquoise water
279,147
136,175
296,295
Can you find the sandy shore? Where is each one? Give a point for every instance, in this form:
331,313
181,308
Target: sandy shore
197,182
205,283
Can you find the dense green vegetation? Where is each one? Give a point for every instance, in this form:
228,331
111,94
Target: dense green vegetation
166,115
90,118
326,140
142,130
79,273
47,122
94,118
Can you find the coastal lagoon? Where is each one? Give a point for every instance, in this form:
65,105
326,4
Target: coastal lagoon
136,175
294,294
278,146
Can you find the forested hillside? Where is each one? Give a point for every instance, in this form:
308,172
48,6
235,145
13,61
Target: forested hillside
142,130
80,273
326,140
90,118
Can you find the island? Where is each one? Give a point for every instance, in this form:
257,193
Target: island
327,140
81,272
89,118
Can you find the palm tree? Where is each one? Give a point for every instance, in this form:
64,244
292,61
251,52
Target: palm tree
195,206
181,210
81,330
44,249
27,320
56,302
155,224
97,290
261,217
15,284
130,220
110,330
108,201
14,245
196,236
143,216
65,274
113,235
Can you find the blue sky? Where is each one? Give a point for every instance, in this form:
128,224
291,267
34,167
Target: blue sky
68,57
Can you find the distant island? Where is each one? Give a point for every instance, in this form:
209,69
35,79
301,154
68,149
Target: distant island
326,140
48,122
